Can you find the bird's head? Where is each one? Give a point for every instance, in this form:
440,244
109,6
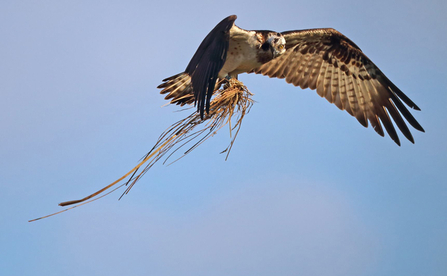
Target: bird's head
275,43
271,45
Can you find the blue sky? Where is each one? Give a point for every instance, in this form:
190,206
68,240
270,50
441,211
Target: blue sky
306,190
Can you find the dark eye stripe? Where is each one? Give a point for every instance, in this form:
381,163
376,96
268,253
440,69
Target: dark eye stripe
265,46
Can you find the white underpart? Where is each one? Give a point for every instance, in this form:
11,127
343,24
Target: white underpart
241,54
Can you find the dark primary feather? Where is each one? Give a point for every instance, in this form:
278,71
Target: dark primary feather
326,60
207,62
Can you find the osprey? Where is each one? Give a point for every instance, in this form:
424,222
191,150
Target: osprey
321,59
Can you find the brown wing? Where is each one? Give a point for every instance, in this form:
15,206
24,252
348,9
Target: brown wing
326,60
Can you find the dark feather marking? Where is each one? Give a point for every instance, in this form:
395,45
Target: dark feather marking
265,46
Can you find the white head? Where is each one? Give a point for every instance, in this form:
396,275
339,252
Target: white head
277,43
272,45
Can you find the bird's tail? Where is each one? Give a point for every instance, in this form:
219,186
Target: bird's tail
178,89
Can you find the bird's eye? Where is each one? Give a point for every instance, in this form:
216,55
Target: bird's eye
281,47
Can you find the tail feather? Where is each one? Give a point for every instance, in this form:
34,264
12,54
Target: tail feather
178,88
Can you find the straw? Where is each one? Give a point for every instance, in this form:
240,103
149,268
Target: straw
228,106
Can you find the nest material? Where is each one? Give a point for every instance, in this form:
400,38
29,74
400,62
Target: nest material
229,106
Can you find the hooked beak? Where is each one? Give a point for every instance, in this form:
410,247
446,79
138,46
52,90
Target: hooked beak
275,52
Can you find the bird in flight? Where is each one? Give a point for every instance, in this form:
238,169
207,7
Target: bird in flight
320,59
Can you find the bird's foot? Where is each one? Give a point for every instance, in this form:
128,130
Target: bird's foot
229,81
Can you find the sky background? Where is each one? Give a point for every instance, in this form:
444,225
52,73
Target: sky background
306,190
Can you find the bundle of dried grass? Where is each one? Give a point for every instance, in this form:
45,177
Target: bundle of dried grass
229,106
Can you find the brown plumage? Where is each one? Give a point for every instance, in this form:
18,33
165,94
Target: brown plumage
320,59
326,60
178,89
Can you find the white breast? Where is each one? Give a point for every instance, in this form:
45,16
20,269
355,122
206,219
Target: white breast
241,54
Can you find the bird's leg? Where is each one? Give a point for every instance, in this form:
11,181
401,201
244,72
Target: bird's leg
226,81
223,81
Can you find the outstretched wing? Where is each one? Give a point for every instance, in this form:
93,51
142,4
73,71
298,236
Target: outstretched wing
326,60
208,61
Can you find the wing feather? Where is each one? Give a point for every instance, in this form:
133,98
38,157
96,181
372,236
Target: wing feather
315,67
336,79
207,62
328,61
